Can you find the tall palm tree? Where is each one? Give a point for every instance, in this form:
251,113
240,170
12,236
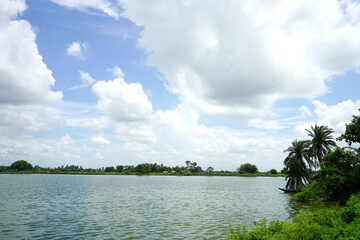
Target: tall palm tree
321,142
297,163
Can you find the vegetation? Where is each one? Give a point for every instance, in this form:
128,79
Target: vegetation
191,169
335,223
338,181
247,168
321,142
352,132
273,171
296,164
307,154
339,175
21,165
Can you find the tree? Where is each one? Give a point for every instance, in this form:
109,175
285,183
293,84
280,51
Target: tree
273,171
321,142
340,174
247,168
187,164
210,169
352,132
21,165
296,163
109,169
119,168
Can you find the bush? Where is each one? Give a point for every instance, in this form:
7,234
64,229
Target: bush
313,192
247,168
340,175
273,171
21,165
334,223
109,169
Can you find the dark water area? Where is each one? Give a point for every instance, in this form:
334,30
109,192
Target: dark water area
147,207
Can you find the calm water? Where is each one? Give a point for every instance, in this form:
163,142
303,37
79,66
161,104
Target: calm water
150,207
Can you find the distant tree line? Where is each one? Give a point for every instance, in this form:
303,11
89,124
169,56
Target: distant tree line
143,168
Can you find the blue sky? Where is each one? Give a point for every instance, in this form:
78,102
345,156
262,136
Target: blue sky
107,82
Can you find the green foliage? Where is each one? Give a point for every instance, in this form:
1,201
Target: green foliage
143,168
109,169
209,169
313,191
296,164
352,132
247,168
321,142
334,223
340,174
273,171
119,168
21,165
260,231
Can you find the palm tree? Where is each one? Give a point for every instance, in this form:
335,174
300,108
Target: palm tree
296,166
321,142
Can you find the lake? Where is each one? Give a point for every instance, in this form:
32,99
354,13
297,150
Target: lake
149,207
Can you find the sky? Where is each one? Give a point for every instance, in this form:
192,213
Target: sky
103,83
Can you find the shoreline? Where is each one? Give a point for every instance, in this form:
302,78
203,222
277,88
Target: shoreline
148,174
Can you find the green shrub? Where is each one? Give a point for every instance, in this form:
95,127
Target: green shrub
312,192
273,171
334,223
21,165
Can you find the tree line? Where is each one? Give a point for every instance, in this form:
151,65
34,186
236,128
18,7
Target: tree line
143,168
337,174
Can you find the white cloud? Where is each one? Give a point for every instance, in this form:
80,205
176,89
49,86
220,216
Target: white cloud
86,80
236,58
135,132
99,156
24,77
94,123
77,49
117,72
10,9
305,112
100,140
336,116
333,116
108,7
27,120
123,102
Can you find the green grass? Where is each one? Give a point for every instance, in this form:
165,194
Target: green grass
333,223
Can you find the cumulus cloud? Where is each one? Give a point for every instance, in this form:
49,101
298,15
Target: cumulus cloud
94,123
333,116
107,6
24,77
122,102
86,80
336,116
77,49
236,58
10,10
100,140
27,120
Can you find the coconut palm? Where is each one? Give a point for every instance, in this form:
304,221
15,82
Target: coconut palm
321,142
297,163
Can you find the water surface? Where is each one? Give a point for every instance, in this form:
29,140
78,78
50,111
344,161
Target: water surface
150,207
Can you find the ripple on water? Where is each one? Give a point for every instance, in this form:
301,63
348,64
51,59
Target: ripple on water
150,207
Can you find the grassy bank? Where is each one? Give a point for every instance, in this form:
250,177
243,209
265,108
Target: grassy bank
335,223
146,174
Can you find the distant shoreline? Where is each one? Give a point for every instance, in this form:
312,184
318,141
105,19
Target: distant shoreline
148,174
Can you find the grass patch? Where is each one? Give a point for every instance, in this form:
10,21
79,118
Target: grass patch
335,223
